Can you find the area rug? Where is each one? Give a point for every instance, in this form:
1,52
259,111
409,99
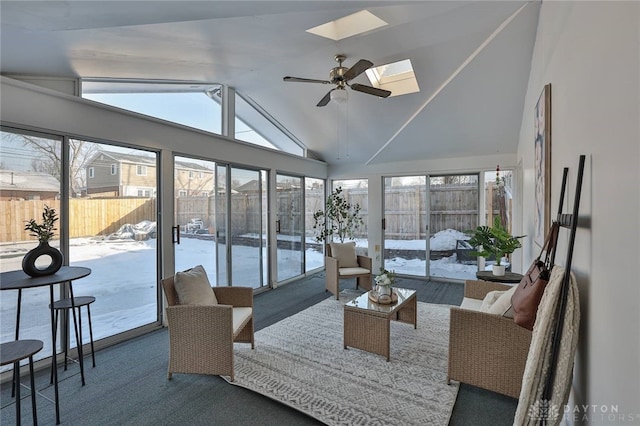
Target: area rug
301,362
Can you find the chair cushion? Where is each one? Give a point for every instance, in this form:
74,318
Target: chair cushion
193,288
345,272
471,304
240,317
345,253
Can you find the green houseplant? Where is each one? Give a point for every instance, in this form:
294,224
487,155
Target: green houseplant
494,241
339,218
44,232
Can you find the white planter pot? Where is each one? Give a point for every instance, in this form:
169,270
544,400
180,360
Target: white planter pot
498,270
384,290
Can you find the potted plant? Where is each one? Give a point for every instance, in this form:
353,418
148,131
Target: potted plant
339,218
44,232
494,241
384,281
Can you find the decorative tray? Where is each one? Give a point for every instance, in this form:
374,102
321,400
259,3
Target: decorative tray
383,299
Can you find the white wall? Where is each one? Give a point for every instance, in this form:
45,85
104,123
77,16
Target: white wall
590,53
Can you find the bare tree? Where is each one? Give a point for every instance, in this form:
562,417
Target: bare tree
51,160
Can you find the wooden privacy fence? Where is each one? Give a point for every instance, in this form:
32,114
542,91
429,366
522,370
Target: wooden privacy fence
452,206
88,216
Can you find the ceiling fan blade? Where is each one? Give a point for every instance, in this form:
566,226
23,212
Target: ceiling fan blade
361,66
370,90
326,99
305,80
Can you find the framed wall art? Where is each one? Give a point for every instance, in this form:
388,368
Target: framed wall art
542,166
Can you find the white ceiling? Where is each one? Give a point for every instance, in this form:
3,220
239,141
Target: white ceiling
471,60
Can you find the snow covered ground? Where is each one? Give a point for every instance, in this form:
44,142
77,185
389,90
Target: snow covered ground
123,279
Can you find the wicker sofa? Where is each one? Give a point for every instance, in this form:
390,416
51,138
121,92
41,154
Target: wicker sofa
486,350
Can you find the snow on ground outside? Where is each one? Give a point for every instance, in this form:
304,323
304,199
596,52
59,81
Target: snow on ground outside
124,275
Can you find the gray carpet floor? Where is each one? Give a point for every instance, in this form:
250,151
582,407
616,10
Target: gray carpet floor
129,385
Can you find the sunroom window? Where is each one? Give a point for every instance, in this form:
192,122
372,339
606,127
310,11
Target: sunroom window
193,104
196,105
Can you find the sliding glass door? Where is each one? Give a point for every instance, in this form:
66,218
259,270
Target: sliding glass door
221,205
356,191
289,226
30,177
453,210
112,230
313,201
247,227
222,214
425,226
405,225
194,208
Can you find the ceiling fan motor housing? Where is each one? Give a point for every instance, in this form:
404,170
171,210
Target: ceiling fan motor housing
337,74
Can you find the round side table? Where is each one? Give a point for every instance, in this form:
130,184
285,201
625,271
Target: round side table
508,277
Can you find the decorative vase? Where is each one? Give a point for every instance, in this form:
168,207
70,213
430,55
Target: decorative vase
44,249
481,263
384,290
498,270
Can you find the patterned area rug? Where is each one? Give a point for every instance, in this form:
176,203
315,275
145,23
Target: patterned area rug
301,362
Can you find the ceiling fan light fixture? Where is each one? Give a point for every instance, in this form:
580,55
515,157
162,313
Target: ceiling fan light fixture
339,96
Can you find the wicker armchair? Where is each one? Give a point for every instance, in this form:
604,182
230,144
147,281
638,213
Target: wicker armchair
335,273
486,350
201,337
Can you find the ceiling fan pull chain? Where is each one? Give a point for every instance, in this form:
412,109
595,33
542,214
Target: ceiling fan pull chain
346,128
338,134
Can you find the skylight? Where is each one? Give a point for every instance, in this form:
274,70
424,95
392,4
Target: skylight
398,77
348,26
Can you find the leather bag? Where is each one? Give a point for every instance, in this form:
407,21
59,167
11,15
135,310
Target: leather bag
526,298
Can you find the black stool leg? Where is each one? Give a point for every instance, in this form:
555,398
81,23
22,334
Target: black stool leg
13,383
79,337
16,375
55,322
93,353
33,392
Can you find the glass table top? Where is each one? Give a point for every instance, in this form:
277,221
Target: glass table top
363,301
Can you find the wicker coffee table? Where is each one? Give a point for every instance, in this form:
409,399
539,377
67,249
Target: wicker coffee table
367,324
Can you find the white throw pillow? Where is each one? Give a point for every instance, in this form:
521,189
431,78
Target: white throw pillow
193,287
489,300
345,253
502,306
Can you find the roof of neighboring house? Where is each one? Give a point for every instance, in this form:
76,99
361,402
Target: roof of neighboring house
194,166
14,180
251,186
144,159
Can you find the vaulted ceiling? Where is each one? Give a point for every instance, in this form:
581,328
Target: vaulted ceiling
471,60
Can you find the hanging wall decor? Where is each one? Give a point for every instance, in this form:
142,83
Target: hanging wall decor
542,165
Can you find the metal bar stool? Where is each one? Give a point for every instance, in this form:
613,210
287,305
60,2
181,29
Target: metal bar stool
78,303
14,352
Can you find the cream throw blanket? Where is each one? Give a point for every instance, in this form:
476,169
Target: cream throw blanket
532,409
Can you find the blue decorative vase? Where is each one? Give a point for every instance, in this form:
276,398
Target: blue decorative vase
44,249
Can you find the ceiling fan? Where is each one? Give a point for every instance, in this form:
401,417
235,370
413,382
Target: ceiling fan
340,76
